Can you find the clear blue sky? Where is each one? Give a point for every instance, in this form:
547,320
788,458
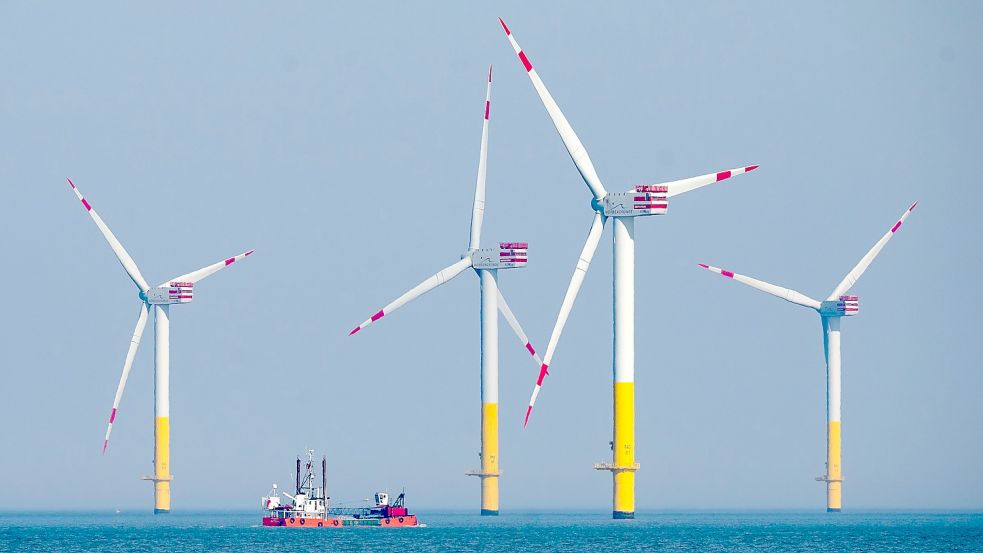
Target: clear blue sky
342,144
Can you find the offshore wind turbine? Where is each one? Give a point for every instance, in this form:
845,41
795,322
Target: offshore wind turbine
622,207
486,262
177,290
838,304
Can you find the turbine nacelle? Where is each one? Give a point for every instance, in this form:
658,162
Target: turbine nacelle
845,306
174,292
645,199
508,255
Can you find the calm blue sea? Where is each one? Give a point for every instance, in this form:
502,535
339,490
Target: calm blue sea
759,531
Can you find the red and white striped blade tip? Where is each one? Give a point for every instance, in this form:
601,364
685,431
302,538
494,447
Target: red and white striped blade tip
70,182
354,330
717,270
504,26
543,373
724,175
489,73
910,209
233,259
105,444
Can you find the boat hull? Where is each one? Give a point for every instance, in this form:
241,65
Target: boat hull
340,522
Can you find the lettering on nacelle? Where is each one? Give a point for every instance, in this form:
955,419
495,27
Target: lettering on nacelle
845,306
507,255
650,200
170,294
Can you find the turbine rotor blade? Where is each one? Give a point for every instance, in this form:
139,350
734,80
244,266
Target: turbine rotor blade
503,306
124,258
195,276
570,140
427,285
478,209
127,363
851,278
786,294
583,263
678,187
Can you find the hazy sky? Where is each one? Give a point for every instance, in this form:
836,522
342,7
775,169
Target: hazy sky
342,144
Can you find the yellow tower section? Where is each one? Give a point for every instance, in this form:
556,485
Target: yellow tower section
834,476
489,459
624,449
162,465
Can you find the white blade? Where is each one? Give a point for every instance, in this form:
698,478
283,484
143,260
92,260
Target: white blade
124,258
593,237
573,144
503,306
195,276
851,278
478,210
678,187
786,294
427,285
130,354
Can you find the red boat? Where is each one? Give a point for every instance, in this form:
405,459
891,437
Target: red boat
308,507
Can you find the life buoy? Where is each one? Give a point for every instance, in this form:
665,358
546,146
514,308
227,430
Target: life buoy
303,521
292,519
335,522
388,520
401,519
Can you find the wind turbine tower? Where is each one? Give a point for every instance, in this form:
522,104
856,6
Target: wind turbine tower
836,306
178,290
623,208
486,262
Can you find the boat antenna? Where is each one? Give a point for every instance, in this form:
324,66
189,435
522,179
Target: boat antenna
298,474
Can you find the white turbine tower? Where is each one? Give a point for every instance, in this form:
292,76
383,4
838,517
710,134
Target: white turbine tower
837,305
485,262
177,290
623,207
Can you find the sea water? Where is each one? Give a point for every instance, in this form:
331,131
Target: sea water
511,532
